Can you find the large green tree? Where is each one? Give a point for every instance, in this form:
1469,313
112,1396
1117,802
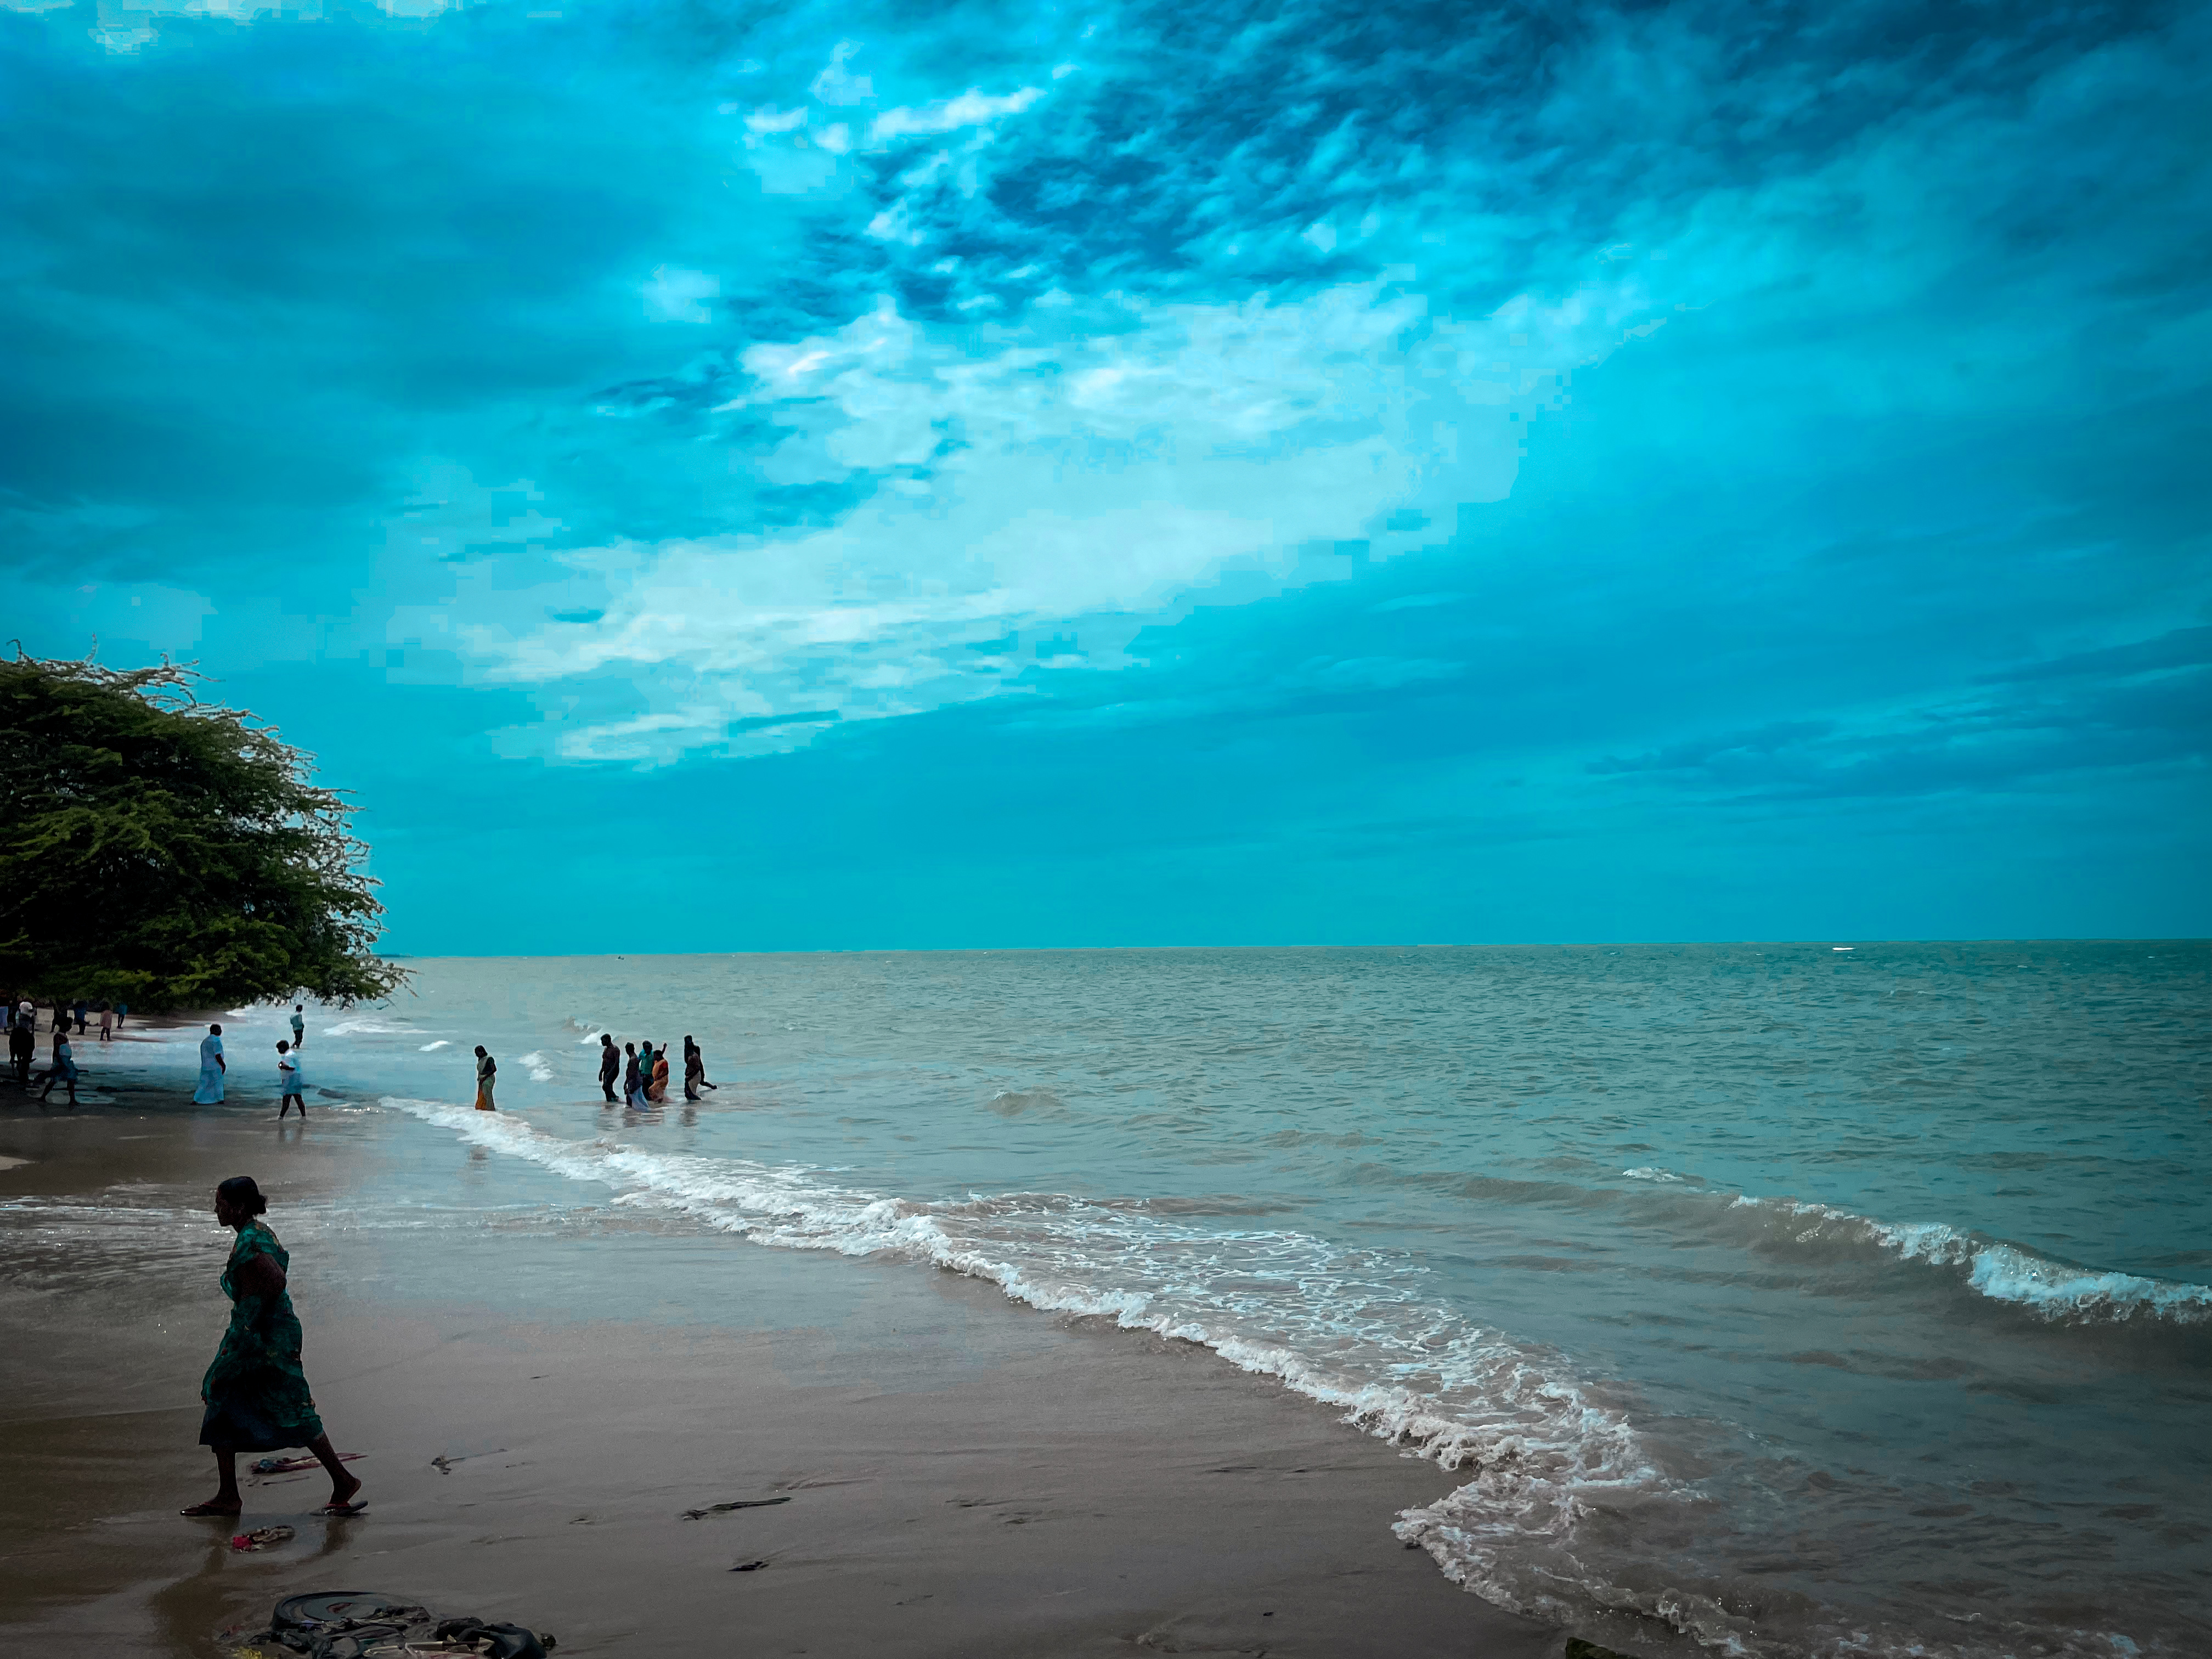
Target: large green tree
170,852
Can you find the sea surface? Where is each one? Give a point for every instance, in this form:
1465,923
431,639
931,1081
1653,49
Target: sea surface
1770,1300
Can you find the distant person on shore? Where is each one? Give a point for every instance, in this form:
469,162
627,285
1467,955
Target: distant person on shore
695,1070
22,1048
82,1009
658,1088
121,1010
610,1066
287,1075
487,1075
106,1024
299,1023
64,1067
257,1394
210,1093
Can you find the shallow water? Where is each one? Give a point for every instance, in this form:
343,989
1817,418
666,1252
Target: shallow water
1776,1299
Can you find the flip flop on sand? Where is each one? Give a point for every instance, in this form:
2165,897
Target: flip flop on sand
341,1510
198,1511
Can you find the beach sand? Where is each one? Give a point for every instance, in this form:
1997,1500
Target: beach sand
964,1476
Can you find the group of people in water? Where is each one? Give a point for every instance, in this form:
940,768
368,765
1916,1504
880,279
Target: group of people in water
644,1072
291,1070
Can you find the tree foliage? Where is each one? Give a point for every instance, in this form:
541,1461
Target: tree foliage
168,853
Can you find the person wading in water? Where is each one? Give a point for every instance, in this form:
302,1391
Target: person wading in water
257,1394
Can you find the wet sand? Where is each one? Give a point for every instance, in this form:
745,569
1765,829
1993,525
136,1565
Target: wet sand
964,1477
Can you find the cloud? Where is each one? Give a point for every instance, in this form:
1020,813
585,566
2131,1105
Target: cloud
2147,703
1090,467
676,295
972,108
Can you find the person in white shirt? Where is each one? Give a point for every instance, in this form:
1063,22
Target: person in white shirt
288,1074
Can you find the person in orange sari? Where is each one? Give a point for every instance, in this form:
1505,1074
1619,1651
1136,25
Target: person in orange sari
658,1088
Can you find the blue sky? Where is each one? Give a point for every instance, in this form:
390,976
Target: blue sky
725,478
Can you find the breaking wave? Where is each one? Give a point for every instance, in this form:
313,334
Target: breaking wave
1347,1328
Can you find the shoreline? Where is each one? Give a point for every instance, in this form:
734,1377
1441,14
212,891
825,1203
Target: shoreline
965,1475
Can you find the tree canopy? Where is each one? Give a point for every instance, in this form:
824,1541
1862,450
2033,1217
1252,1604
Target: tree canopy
169,853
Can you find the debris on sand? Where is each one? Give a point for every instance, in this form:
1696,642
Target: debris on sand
734,1503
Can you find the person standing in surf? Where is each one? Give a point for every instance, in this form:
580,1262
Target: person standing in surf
656,1089
299,1026
610,1066
695,1070
287,1076
256,1392
632,1092
487,1075
210,1093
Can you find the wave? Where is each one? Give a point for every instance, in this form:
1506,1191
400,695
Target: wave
369,1028
2055,1291
539,1068
442,1042
1345,1327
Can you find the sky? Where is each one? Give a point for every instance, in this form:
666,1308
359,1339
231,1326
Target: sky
721,476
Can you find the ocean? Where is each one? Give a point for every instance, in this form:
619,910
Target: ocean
1767,1299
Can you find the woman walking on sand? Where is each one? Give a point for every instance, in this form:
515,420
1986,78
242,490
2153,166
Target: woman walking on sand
257,1394
210,1093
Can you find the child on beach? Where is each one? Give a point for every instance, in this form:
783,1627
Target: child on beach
287,1075
107,1025
65,1069
298,1025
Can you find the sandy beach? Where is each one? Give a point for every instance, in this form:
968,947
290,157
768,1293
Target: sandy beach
963,1477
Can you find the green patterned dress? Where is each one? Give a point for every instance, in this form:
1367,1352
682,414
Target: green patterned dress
257,1395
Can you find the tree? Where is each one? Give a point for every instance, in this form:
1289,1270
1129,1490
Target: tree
167,853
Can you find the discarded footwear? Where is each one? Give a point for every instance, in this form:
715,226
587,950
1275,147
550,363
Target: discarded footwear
260,1538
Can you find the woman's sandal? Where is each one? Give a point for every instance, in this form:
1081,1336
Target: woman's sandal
340,1510
200,1511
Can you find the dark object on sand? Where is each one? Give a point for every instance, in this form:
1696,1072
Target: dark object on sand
286,1465
734,1503
749,1566
1578,1649
365,1624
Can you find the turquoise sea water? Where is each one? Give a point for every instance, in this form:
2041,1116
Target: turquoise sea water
1776,1299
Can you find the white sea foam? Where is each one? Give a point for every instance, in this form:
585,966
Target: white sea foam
536,1066
442,1042
368,1028
1649,1172
1345,1327
2055,1291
